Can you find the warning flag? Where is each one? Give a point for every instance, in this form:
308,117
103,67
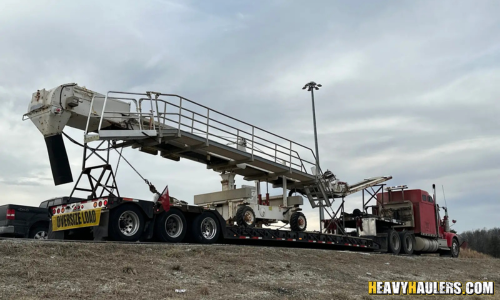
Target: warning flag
165,200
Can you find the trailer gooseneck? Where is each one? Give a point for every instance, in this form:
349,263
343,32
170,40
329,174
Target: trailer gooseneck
175,128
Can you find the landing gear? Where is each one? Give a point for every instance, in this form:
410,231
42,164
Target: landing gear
245,216
298,222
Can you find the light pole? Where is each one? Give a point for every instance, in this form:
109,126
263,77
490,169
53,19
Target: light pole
311,86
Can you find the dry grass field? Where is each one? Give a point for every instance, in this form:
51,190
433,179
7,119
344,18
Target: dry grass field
71,270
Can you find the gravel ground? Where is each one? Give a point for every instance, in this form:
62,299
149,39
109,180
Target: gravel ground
71,270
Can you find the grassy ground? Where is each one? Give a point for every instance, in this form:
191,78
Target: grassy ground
36,270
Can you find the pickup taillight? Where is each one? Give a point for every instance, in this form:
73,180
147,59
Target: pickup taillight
11,214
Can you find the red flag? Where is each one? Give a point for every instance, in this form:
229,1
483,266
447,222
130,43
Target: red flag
165,200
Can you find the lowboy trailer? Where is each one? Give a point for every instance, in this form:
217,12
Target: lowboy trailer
176,127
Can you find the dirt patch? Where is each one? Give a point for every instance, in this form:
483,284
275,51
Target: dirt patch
35,270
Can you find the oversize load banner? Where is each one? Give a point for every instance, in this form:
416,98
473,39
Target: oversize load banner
78,219
431,288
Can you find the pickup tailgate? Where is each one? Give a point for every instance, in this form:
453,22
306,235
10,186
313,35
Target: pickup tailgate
17,219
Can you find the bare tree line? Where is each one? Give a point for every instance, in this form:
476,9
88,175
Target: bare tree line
486,241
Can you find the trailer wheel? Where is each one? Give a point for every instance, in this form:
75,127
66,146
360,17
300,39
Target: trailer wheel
455,248
393,242
245,216
126,223
298,221
206,229
407,242
171,226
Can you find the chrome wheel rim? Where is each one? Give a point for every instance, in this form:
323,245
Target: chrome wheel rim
409,243
301,222
128,223
454,246
173,226
208,228
249,217
41,235
396,242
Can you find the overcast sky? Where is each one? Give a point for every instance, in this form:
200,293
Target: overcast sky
410,88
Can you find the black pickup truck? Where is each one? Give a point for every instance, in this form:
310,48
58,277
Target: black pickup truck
26,221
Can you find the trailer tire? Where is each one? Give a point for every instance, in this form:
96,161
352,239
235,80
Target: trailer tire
206,228
245,216
298,221
393,242
126,223
407,242
171,226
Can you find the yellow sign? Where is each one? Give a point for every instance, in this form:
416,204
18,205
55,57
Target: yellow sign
86,218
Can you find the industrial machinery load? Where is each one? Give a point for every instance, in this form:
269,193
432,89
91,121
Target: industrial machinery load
175,127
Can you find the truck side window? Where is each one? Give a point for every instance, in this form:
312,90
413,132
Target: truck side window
424,198
430,199
44,204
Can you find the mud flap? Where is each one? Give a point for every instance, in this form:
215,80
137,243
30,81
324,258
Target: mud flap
55,235
61,171
101,232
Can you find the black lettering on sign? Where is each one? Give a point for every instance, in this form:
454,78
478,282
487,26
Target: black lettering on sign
79,218
58,221
94,218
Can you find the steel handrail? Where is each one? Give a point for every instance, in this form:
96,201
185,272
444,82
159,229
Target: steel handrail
214,135
240,130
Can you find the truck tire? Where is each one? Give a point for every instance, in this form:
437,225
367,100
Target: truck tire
245,216
298,221
171,226
206,228
126,223
39,232
407,242
455,248
393,242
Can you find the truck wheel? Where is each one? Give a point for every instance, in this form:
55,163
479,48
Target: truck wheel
407,242
393,242
298,221
455,248
126,223
39,233
206,229
245,216
171,226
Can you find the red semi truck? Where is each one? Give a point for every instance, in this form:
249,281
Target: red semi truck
403,221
